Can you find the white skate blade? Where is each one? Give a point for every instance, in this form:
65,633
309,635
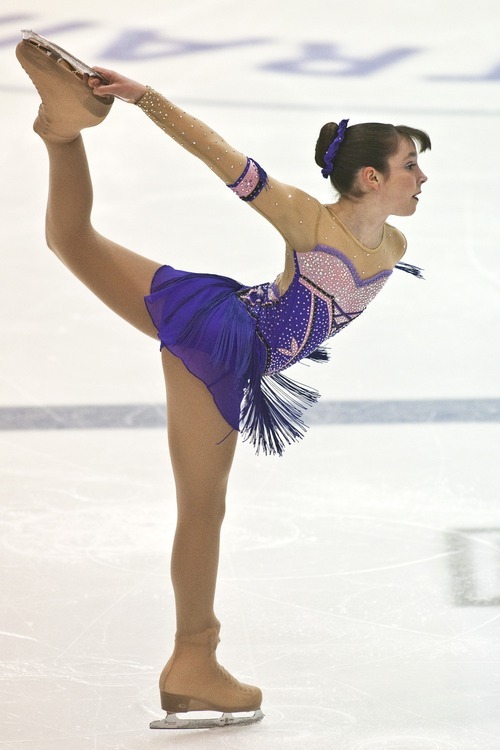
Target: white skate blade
78,65
172,721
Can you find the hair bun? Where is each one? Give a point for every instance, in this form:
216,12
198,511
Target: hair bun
326,136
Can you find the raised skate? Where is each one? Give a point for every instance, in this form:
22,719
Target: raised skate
193,681
68,104
60,54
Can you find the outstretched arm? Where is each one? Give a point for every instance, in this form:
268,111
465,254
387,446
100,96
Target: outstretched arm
291,211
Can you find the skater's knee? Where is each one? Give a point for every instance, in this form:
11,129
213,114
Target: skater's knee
201,507
52,243
59,240
68,242
201,490
55,246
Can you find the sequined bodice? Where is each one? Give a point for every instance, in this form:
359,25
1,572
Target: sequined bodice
325,295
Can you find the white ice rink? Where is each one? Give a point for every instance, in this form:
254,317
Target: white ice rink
360,574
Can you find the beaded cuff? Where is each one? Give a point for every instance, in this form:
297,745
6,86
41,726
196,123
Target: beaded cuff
251,182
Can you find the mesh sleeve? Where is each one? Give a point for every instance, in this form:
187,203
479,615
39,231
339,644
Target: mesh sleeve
194,136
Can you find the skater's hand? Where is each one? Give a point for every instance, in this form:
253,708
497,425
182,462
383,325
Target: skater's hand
119,86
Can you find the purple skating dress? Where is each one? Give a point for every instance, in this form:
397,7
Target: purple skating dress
239,339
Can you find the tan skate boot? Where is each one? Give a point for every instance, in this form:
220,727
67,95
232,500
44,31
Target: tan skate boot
68,104
193,680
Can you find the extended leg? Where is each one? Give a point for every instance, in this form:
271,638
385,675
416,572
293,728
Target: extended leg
202,448
118,276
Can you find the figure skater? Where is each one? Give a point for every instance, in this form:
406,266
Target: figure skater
224,345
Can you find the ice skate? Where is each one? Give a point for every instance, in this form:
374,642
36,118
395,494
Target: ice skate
60,54
68,104
194,681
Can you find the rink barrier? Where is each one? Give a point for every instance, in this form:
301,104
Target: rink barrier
140,416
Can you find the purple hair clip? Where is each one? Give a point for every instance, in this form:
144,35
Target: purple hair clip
333,148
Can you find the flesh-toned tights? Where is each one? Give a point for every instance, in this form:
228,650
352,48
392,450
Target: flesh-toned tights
201,457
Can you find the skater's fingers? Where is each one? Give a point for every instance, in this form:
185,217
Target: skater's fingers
106,72
119,86
125,93
112,76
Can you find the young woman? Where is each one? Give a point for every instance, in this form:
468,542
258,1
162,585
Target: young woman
224,346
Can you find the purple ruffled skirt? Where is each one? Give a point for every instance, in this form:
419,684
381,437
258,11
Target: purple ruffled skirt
201,319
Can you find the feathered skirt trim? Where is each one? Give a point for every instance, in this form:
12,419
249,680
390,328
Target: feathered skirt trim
201,320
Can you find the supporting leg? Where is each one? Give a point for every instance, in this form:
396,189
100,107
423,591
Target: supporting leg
202,448
202,452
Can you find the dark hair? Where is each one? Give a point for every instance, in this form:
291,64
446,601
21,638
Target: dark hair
369,144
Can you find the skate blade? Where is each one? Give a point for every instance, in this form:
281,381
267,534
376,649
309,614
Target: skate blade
51,48
172,721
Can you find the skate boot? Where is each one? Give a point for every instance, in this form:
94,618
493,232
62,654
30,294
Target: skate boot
193,680
68,104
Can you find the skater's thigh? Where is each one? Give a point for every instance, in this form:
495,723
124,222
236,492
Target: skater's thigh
201,442
120,277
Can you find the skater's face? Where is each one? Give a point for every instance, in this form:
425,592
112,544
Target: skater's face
402,184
